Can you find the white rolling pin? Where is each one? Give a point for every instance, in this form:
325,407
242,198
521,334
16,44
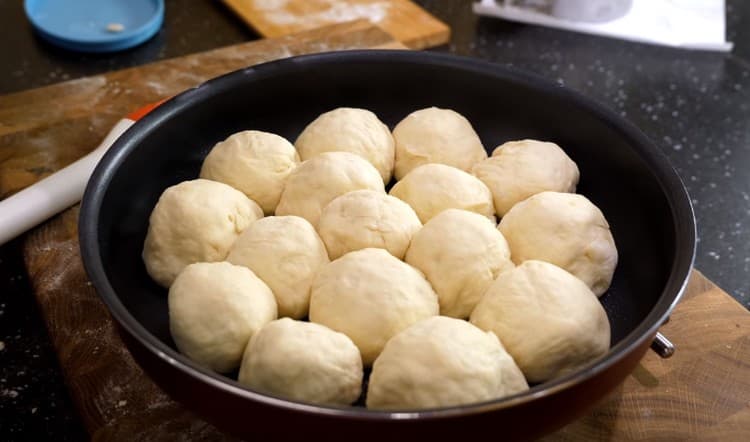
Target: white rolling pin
55,193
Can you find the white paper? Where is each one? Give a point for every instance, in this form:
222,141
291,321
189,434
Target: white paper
690,24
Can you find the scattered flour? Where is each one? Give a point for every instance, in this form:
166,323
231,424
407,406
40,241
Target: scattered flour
330,11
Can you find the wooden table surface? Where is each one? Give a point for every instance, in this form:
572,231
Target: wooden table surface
702,393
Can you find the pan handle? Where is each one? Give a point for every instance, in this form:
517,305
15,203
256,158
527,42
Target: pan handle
662,346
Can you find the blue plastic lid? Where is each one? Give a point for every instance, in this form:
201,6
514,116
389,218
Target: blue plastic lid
95,25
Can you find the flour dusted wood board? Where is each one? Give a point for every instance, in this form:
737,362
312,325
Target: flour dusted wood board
404,20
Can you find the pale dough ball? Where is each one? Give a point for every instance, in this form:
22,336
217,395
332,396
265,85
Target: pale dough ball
432,188
369,295
366,218
518,169
317,181
214,310
303,361
347,129
442,362
460,253
194,221
253,162
435,135
286,253
567,230
548,320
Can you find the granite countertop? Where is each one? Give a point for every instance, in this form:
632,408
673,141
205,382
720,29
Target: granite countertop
694,105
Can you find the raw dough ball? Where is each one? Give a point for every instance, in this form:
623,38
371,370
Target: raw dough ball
567,230
518,169
548,320
460,253
366,218
214,310
432,188
194,221
442,362
253,162
303,361
435,135
370,296
286,253
317,181
347,129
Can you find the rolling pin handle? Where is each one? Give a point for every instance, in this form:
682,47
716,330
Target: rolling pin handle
55,193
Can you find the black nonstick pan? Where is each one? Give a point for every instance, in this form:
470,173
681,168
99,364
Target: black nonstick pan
621,171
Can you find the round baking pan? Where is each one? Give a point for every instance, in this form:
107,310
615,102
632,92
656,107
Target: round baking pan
622,172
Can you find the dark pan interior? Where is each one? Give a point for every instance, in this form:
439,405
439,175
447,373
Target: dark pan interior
283,98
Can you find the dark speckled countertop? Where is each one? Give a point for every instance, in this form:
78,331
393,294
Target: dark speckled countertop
694,105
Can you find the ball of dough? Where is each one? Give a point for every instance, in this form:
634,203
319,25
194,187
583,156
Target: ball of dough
564,229
366,218
435,135
460,253
442,362
518,169
347,129
255,163
303,361
317,181
194,221
214,310
432,188
369,295
548,320
286,253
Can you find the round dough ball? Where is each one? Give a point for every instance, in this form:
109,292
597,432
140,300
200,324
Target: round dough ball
460,253
366,218
319,180
435,135
564,229
369,295
214,310
286,253
518,169
253,162
548,320
442,362
194,221
347,129
303,361
432,188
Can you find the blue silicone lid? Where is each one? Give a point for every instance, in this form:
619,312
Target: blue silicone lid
95,25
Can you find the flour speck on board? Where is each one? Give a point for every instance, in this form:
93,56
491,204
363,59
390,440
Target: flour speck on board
323,12
9,393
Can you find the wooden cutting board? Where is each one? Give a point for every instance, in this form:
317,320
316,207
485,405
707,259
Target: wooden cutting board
703,392
404,20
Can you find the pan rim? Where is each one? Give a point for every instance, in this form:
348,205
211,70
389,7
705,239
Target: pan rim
655,159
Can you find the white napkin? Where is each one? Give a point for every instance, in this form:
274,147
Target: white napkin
690,24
